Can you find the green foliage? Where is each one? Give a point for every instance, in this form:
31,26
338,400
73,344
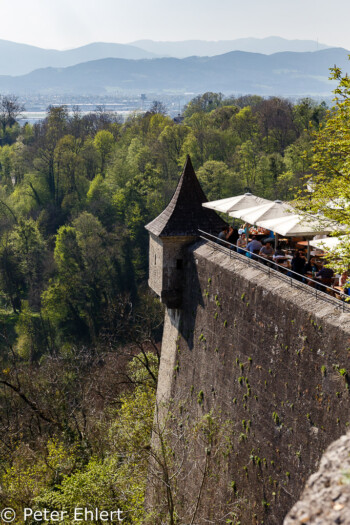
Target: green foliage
30,473
103,142
57,479
109,484
124,175
276,418
326,191
100,202
200,397
203,103
216,179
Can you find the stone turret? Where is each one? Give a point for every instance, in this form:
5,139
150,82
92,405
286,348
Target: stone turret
176,227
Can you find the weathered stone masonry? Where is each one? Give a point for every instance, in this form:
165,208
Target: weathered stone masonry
273,359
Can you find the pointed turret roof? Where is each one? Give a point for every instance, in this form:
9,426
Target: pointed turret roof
185,214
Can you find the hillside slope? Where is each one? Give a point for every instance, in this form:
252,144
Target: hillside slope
285,74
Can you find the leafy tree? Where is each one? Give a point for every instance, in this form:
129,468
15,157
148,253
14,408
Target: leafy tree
119,479
51,130
31,473
218,181
88,277
308,114
71,183
158,107
12,280
103,142
35,336
203,103
275,117
248,161
245,100
220,117
65,300
19,162
99,200
90,156
6,164
30,250
171,141
327,190
244,124
298,158
10,109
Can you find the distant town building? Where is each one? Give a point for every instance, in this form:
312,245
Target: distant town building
179,119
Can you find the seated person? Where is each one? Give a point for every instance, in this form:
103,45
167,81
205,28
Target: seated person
343,285
254,245
279,254
223,234
266,251
280,257
297,265
310,266
269,239
325,276
242,243
232,236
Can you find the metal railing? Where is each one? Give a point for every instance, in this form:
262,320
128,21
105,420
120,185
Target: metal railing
273,269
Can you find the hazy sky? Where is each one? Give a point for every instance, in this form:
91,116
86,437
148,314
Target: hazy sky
63,24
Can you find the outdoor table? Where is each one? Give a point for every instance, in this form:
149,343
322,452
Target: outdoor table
308,275
285,264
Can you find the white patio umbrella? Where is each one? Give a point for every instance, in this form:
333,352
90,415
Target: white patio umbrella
295,225
328,243
267,211
232,204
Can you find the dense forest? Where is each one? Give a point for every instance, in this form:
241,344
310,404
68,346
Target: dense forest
80,333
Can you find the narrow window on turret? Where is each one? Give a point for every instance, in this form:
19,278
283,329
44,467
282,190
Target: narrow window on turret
179,264
155,259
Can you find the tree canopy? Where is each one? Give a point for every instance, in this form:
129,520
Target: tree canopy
326,191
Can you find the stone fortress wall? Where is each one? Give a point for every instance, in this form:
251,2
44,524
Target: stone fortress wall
272,359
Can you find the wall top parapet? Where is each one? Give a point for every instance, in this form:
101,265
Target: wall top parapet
274,276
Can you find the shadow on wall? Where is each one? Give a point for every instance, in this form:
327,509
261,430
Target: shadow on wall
191,285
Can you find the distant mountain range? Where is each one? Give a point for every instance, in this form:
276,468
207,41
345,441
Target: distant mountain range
285,74
267,46
19,59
